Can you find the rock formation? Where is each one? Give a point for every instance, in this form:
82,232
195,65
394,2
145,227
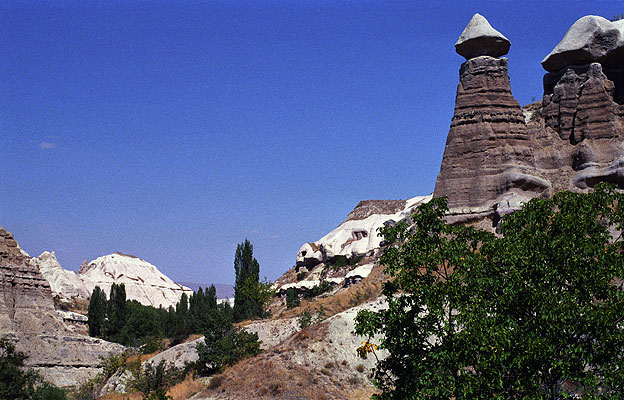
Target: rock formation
28,318
480,39
488,157
63,283
580,140
590,39
142,280
357,235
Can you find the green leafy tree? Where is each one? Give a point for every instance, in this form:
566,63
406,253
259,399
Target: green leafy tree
97,312
15,382
250,295
534,314
183,323
223,347
117,313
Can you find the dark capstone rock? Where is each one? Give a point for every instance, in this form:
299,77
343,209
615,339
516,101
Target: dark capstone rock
480,39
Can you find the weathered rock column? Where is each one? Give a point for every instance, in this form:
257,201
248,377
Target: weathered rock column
582,104
488,161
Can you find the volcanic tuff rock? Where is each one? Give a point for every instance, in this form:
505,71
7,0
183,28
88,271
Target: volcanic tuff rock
480,39
357,235
63,283
498,156
143,281
28,318
488,152
590,39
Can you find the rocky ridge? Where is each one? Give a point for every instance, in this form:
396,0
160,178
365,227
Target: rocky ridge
498,156
28,318
143,281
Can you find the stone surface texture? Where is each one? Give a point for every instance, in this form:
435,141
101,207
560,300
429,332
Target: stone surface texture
488,153
28,318
142,280
480,39
358,234
590,39
498,156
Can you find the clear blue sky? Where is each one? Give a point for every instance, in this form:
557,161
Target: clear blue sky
175,130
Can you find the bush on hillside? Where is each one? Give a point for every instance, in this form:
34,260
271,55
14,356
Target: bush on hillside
532,314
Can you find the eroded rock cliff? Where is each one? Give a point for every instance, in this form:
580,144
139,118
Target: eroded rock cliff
28,318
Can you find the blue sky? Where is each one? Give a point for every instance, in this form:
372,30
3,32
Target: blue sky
175,130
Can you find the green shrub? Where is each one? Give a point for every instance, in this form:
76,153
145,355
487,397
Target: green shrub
155,378
15,383
224,347
301,275
323,287
48,391
305,319
292,298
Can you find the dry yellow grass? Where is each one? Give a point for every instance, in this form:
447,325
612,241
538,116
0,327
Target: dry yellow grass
182,391
116,396
185,389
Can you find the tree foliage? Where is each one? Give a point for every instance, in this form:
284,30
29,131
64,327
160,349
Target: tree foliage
224,346
19,383
250,294
534,314
116,309
15,383
97,312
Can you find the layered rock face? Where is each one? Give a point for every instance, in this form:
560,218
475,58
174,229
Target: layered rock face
581,137
28,318
498,156
488,162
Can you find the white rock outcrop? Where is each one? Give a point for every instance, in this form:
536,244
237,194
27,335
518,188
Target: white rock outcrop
358,235
65,284
142,280
590,39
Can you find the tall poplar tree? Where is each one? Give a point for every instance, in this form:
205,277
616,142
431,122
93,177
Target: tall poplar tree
117,312
247,272
97,312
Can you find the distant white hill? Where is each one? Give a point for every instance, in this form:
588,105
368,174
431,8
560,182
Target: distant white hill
143,281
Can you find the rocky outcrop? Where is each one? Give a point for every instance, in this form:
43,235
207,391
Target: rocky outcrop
488,152
63,283
488,165
142,280
498,156
480,39
590,39
28,318
357,235
579,142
